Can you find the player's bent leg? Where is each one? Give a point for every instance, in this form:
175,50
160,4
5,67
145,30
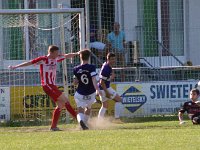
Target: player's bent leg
64,99
102,112
103,109
70,109
104,106
55,118
87,114
81,117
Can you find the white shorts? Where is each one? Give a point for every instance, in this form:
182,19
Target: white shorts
84,100
113,93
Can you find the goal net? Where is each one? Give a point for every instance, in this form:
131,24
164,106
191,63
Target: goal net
26,34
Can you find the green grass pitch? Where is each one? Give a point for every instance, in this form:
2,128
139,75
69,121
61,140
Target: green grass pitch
145,134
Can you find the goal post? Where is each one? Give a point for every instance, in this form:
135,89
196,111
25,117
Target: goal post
26,34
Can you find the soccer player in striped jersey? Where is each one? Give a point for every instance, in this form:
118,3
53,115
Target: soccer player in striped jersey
192,108
48,65
106,75
85,77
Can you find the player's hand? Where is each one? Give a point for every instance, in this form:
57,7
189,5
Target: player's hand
78,53
182,122
11,67
198,103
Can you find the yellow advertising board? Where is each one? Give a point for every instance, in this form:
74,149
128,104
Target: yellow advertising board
30,103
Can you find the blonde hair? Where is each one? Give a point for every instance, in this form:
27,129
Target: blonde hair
52,48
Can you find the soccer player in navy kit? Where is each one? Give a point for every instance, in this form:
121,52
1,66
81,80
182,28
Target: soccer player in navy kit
106,75
191,107
85,77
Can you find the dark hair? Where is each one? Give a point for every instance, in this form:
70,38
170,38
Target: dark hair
109,55
195,90
52,48
85,54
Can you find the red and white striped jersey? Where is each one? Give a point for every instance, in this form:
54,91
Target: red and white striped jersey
47,68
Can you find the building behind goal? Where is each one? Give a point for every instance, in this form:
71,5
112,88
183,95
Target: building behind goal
161,54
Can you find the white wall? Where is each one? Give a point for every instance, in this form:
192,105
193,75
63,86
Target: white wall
194,31
192,26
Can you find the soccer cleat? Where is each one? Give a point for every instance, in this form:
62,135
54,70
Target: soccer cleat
83,126
55,129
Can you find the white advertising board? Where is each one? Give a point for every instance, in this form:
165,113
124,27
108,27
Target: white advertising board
4,103
154,98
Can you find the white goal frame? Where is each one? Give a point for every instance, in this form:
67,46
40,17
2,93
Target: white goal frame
5,63
61,11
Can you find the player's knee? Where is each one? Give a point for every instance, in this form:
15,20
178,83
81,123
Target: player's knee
58,108
60,104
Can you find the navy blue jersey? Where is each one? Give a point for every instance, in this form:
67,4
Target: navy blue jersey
105,74
191,108
84,74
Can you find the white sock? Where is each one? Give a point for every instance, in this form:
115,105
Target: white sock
80,116
86,118
118,107
102,112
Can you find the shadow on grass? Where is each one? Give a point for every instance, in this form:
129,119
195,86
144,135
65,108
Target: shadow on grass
27,123
151,119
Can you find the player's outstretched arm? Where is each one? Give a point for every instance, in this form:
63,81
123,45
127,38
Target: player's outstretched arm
70,55
198,103
20,65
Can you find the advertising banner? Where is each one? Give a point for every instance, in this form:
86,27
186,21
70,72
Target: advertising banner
154,98
30,103
4,103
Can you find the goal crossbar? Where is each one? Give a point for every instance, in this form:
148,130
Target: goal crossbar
41,11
